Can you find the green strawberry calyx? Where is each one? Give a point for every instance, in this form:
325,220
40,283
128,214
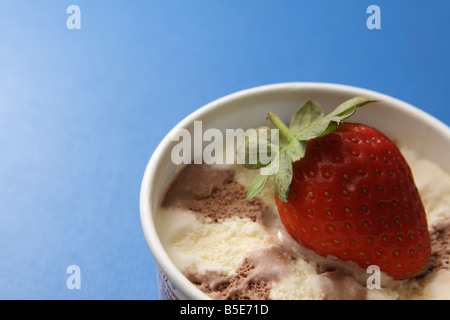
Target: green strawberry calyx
307,123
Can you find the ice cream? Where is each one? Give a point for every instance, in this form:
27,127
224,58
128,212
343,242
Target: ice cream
233,249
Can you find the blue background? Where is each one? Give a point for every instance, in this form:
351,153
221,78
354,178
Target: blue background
81,111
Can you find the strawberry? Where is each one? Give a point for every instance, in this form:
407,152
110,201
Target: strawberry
349,192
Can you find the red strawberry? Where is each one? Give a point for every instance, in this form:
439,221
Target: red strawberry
353,196
346,190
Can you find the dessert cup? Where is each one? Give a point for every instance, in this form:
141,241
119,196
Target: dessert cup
245,109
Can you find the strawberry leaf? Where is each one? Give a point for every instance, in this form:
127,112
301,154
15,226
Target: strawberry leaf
346,109
283,178
261,180
331,121
295,150
253,147
309,112
257,186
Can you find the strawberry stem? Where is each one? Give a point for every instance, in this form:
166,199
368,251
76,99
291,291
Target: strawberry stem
284,130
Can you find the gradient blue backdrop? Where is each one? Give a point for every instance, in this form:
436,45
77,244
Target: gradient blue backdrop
81,111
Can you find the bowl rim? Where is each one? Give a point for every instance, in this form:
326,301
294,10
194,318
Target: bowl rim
147,222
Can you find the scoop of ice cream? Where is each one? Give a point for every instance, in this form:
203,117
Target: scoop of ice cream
233,249
433,183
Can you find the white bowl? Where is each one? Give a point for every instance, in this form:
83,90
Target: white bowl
246,109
